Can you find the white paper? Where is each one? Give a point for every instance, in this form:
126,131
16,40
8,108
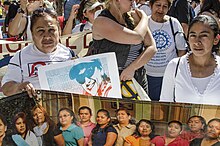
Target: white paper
95,75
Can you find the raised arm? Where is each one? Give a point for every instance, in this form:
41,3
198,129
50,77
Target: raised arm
17,25
106,28
69,24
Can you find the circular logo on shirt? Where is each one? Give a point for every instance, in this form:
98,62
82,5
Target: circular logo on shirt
162,39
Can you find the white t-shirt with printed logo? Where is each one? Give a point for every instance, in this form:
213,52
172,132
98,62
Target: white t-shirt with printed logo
166,51
31,59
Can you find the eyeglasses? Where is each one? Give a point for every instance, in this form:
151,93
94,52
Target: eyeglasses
64,116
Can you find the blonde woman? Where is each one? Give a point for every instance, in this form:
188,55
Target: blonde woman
129,37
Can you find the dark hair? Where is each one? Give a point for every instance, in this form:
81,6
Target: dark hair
151,135
96,129
151,2
3,119
123,109
214,119
21,115
203,121
85,107
71,114
42,12
211,6
211,22
131,120
177,122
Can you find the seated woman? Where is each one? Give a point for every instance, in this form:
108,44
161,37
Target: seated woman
143,134
22,73
45,129
5,140
211,137
73,134
85,13
104,133
196,128
23,135
194,77
171,138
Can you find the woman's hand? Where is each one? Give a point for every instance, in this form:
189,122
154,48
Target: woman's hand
74,11
27,86
34,5
127,74
23,4
135,16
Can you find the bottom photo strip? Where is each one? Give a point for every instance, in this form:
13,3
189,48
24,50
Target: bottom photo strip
21,113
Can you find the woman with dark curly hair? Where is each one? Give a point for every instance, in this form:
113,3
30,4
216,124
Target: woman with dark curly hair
143,134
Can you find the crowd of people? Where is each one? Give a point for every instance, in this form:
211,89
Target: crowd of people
174,58
167,55
79,130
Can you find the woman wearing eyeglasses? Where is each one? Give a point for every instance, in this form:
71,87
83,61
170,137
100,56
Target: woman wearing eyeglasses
22,73
46,131
73,134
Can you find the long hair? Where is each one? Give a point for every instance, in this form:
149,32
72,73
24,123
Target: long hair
47,117
137,133
21,115
96,129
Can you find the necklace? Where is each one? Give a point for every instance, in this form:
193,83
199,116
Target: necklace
154,23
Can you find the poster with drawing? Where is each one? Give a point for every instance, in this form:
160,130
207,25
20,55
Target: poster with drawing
95,75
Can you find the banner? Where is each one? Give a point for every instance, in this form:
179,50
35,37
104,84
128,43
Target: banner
78,42
95,75
160,113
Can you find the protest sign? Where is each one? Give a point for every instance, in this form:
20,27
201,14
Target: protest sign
95,75
53,101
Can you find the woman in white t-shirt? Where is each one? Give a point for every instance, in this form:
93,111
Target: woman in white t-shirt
170,42
195,77
86,13
22,73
